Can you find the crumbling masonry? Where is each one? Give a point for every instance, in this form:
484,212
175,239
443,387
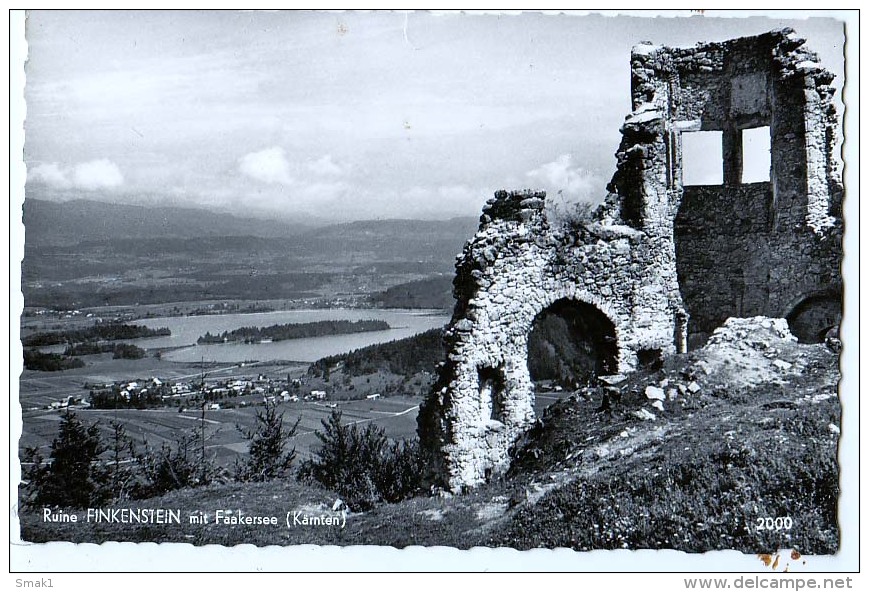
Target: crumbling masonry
661,264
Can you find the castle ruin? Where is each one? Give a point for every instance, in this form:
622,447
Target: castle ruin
663,262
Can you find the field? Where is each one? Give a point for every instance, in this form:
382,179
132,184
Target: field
341,264
38,389
396,414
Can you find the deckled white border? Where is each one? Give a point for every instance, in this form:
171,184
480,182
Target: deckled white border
59,557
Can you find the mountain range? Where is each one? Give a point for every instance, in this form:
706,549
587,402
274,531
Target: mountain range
51,223
71,222
86,253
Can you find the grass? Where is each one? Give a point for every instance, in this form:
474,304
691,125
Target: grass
698,478
420,521
703,488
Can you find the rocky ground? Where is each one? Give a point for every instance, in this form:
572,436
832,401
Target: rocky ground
696,455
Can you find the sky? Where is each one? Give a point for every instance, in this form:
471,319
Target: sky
340,115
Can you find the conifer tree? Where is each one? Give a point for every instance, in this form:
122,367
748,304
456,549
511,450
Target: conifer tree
268,458
74,477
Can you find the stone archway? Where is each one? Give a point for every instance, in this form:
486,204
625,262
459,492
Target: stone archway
814,316
571,342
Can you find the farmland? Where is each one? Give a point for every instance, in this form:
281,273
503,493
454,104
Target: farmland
396,414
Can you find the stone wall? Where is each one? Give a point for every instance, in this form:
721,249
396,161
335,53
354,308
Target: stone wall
732,261
720,239
658,261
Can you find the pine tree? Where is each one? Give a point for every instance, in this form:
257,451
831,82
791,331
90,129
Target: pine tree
121,479
363,465
268,442
74,476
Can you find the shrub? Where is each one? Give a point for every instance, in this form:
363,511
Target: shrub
400,476
128,351
363,465
121,479
267,458
185,464
568,213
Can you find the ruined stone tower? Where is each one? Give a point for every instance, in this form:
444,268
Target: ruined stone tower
663,262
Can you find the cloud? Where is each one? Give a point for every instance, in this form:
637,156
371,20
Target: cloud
50,174
269,166
92,175
97,174
561,178
325,167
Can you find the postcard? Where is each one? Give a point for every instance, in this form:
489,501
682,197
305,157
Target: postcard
406,290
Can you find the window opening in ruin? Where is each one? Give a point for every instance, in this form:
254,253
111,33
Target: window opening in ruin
650,359
756,160
814,317
491,382
570,343
702,160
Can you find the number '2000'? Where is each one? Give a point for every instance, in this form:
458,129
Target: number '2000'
777,523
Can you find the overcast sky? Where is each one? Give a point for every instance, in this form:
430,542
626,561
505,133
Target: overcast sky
340,116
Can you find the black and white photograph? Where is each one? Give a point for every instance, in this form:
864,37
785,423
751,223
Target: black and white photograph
436,282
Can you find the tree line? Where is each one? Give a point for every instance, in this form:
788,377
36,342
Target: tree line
84,342
37,360
51,362
404,357
119,351
295,331
97,332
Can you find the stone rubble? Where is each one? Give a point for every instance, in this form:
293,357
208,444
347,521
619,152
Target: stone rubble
654,392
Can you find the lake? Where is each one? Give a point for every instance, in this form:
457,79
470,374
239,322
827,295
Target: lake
186,330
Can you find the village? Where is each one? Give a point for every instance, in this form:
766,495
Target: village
218,394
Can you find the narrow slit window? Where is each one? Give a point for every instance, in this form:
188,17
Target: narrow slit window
492,388
756,161
702,160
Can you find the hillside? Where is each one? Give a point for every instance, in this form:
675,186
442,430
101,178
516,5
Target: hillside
71,222
389,240
693,457
404,357
83,253
86,221
434,292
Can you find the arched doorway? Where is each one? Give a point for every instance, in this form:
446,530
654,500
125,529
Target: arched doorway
570,343
811,319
